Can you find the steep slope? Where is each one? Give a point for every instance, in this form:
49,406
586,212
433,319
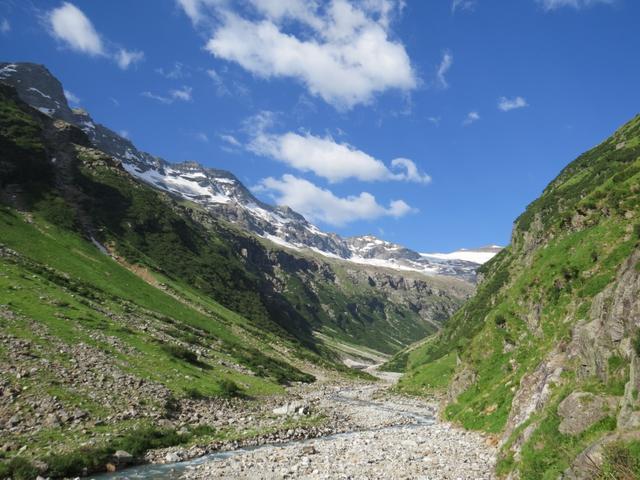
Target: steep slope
95,353
220,192
546,354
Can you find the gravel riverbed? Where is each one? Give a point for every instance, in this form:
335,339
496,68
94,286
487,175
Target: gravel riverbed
389,437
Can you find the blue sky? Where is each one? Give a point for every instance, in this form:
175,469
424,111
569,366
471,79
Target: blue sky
429,123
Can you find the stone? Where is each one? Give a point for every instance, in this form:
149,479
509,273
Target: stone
172,457
122,458
309,450
580,410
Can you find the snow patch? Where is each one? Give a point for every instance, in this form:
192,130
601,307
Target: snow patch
39,92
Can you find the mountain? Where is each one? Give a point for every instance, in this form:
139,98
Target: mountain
546,355
479,255
204,227
220,192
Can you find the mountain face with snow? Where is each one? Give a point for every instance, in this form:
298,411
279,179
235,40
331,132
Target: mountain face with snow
224,196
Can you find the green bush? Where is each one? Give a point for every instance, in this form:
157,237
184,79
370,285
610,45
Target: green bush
181,353
229,388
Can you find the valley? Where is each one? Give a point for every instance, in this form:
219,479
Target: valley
159,321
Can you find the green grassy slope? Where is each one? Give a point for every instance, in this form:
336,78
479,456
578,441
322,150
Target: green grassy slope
566,249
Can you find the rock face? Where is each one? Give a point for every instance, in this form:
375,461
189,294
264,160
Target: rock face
581,410
548,348
220,192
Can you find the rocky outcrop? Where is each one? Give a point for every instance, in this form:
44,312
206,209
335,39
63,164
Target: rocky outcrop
581,410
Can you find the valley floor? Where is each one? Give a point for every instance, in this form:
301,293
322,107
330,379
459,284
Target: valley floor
375,434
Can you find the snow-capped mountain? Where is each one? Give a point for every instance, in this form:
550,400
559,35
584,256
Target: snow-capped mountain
476,255
224,196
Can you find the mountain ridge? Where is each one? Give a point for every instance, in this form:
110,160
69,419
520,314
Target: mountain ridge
222,193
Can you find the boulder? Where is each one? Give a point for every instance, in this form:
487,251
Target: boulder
293,408
122,458
581,410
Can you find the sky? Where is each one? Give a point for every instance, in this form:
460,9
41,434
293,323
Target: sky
430,123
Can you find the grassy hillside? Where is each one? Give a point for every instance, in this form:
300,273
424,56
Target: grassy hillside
556,314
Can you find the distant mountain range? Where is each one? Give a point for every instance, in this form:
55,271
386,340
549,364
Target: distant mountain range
223,195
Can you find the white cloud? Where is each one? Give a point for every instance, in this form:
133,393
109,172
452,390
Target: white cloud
71,97
443,68
176,72
124,134
411,172
505,104
125,58
435,120
319,204
577,4
159,98
196,9
471,117
341,52
230,139
331,160
221,88
71,26
5,26
182,94
462,5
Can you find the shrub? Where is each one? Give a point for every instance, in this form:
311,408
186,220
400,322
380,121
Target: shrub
229,388
180,352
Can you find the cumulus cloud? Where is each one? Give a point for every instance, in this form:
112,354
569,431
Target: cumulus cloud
321,205
125,58
471,117
182,94
341,52
506,104
69,25
577,4
5,26
443,68
330,159
71,97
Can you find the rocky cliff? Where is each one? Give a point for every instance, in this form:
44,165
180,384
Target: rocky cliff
545,355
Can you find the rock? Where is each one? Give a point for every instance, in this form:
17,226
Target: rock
309,450
122,458
292,409
580,410
172,457
41,466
